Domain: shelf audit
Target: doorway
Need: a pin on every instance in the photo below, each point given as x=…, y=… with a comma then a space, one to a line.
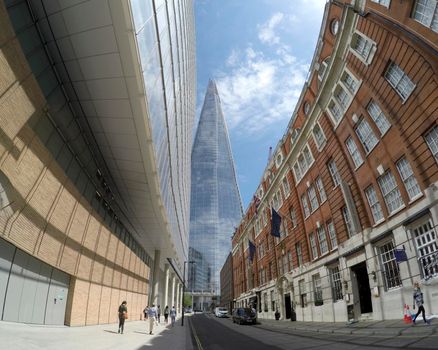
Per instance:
x=287, y=306
x=361, y=289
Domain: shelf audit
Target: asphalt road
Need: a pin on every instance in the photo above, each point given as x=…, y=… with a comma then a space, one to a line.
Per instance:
x=211, y=333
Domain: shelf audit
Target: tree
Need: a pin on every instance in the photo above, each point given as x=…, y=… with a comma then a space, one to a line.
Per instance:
x=187, y=302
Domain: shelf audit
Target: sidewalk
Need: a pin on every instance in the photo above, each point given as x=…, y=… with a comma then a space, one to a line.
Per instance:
x=381, y=328
x=19, y=336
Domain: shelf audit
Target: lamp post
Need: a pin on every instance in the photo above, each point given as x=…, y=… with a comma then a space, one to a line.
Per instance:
x=184, y=289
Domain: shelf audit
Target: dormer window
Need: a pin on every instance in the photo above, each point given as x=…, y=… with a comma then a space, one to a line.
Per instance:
x=334, y=26
x=278, y=160
x=306, y=108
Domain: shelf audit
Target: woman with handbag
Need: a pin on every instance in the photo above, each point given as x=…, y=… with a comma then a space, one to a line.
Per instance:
x=123, y=315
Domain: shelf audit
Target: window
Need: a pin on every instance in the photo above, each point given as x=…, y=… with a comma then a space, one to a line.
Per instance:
x=313, y=199
x=354, y=152
x=278, y=160
x=379, y=118
x=289, y=260
x=277, y=200
x=373, y=202
x=308, y=156
x=306, y=108
x=397, y=78
x=285, y=264
x=342, y=97
x=305, y=160
x=293, y=217
x=313, y=246
x=347, y=221
x=323, y=69
x=334, y=173
x=407, y=175
x=322, y=238
x=427, y=248
x=366, y=135
x=390, y=192
x=334, y=26
x=362, y=47
x=336, y=284
x=332, y=234
x=426, y=12
x=299, y=254
x=303, y=296
x=349, y=82
x=280, y=266
x=321, y=191
x=305, y=206
x=283, y=232
x=286, y=187
x=382, y=2
x=390, y=270
x=317, y=290
x=265, y=302
x=335, y=112
x=272, y=301
x=432, y=141
x=297, y=172
x=319, y=136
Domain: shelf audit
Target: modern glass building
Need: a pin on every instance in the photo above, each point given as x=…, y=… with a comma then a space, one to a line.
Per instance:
x=216, y=206
x=97, y=104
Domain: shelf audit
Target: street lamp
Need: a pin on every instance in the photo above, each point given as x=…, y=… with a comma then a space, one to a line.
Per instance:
x=184, y=289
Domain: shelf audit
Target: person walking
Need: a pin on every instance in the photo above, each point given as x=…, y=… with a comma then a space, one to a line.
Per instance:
x=166, y=314
x=145, y=312
x=158, y=313
x=418, y=299
x=152, y=315
x=172, y=315
x=123, y=314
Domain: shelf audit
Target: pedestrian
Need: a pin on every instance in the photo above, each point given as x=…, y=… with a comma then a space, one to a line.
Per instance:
x=418, y=299
x=145, y=311
x=152, y=314
x=166, y=314
x=172, y=315
x=158, y=313
x=123, y=314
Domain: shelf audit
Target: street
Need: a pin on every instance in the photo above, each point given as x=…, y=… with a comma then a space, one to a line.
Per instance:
x=211, y=333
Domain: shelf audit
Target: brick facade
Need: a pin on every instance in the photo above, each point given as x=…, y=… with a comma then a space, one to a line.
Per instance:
x=371, y=39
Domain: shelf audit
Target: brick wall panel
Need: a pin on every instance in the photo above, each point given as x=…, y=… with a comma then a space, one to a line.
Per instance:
x=105, y=301
x=114, y=305
x=93, y=304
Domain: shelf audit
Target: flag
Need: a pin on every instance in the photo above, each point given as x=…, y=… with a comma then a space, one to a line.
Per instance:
x=400, y=255
x=252, y=250
x=256, y=204
x=275, y=223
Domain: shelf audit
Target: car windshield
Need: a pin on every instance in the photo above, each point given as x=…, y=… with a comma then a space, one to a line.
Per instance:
x=246, y=312
x=222, y=309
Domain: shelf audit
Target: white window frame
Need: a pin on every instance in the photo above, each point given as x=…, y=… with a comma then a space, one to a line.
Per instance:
x=366, y=135
x=348, y=221
x=317, y=290
x=335, y=112
x=313, y=199
x=293, y=217
x=351, y=85
x=322, y=238
x=334, y=173
x=304, y=162
x=321, y=190
x=286, y=186
x=299, y=253
x=313, y=245
x=378, y=117
x=399, y=81
x=390, y=270
x=336, y=283
x=407, y=175
x=428, y=16
x=354, y=152
x=431, y=138
x=390, y=192
x=332, y=234
x=364, y=52
x=322, y=70
x=278, y=159
x=319, y=136
x=374, y=204
x=385, y=3
x=305, y=205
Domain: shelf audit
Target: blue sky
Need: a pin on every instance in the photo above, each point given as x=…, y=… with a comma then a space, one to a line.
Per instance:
x=258, y=52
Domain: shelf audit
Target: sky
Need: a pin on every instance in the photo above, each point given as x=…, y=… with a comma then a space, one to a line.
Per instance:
x=259, y=53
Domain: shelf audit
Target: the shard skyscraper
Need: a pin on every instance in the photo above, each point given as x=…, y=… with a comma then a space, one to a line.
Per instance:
x=216, y=206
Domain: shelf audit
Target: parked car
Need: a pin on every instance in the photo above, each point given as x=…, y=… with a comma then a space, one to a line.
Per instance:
x=243, y=315
x=221, y=312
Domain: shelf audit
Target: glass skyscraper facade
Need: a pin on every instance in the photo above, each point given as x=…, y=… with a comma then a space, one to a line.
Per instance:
x=216, y=206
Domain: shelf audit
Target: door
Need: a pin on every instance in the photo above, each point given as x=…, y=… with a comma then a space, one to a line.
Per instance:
x=57, y=298
x=362, y=292
x=287, y=305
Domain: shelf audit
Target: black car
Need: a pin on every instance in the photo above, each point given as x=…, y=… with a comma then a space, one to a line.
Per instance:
x=244, y=315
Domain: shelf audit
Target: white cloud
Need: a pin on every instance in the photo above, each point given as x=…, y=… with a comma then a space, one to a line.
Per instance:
x=267, y=30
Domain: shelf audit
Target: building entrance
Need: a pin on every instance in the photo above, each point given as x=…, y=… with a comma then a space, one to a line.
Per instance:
x=361, y=289
x=287, y=306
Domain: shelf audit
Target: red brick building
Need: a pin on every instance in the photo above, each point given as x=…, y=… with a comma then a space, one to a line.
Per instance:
x=226, y=277
x=354, y=176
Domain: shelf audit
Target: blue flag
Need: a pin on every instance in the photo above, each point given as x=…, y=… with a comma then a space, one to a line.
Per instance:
x=252, y=250
x=400, y=255
x=275, y=223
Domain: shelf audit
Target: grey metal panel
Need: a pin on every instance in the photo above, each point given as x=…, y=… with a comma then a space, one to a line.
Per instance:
x=6, y=255
x=57, y=298
x=15, y=288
